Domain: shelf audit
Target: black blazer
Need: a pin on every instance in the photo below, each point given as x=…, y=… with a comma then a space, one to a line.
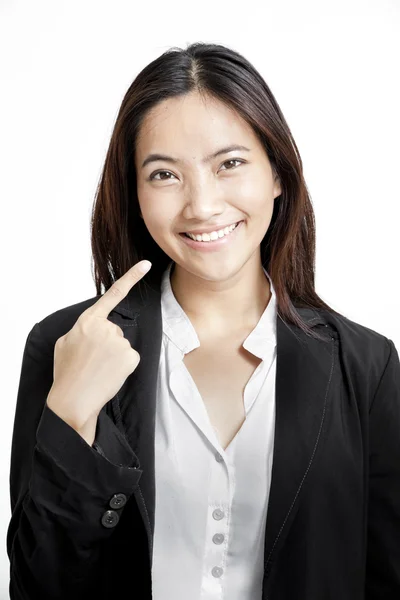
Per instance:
x=83, y=517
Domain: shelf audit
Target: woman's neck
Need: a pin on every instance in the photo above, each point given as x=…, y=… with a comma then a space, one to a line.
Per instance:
x=221, y=307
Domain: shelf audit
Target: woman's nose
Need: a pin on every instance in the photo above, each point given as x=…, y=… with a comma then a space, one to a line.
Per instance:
x=203, y=201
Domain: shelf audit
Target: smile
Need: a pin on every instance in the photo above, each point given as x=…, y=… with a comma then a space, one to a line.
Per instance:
x=213, y=235
x=212, y=241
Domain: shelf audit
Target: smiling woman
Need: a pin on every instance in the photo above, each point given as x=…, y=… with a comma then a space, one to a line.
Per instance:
x=224, y=154
x=211, y=428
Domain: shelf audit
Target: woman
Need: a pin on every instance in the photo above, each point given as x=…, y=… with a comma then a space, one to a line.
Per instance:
x=212, y=428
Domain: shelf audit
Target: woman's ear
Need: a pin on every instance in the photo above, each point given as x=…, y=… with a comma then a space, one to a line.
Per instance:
x=277, y=186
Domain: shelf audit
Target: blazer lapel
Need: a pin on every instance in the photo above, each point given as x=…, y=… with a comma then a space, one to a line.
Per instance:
x=304, y=374
x=135, y=403
x=303, y=377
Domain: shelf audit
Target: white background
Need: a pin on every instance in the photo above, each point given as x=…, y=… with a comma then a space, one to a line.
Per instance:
x=65, y=67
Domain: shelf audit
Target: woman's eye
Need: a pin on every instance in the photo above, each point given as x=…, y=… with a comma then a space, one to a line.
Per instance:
x=158, y=173
x=232, y=160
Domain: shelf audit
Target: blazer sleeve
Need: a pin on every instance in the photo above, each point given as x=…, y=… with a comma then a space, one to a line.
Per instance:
x=383, y=549
x=60, y=489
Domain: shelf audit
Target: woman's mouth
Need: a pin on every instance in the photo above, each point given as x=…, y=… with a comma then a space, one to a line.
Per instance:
x=208, y=244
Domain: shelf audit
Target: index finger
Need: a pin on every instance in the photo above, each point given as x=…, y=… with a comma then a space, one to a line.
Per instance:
x=119, y=289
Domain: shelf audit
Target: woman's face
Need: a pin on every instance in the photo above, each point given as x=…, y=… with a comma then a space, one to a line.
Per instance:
x=194, y=193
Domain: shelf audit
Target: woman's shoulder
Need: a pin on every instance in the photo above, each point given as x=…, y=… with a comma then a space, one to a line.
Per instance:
x=362, y=349
x=351, y=330
x=59, y=322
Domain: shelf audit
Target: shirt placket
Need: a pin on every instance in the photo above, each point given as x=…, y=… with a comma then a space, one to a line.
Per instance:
x=221, y=490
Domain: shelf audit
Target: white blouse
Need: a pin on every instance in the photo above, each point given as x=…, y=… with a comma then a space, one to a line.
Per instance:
x=211, y=504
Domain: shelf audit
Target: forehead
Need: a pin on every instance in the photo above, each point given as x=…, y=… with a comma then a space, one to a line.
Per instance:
x=192, y=121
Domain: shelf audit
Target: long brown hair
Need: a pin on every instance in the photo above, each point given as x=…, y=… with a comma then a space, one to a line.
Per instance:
x=119, y=236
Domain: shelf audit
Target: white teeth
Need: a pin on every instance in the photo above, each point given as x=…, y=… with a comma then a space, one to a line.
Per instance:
x=214, y=235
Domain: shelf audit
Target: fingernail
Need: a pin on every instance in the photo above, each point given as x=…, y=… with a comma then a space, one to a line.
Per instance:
x=144, y=266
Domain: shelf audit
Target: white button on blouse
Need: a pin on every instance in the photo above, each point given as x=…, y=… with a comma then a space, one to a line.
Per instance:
x=211, y=503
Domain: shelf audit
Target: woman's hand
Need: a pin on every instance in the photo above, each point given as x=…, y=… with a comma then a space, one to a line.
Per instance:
x=93, y=360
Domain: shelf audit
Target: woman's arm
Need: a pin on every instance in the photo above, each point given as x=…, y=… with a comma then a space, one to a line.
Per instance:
x=60, y=488
x=383, y=552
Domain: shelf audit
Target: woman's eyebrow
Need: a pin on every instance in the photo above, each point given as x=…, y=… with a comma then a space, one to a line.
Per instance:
x=165, y=158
